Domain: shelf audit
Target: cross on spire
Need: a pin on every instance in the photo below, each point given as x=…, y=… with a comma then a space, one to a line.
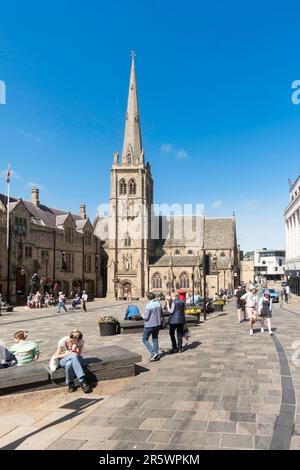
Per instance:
x=133, y=54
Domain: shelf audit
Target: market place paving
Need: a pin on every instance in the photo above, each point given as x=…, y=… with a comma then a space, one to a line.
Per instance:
x=228, y=390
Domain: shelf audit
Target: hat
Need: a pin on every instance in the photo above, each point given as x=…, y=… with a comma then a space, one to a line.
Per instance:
x=252, y=287
x=266, y=292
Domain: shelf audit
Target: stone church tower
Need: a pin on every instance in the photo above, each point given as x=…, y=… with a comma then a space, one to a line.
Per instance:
x=131, y=199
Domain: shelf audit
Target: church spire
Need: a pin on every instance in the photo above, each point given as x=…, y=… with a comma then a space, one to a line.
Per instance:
x=132, y=148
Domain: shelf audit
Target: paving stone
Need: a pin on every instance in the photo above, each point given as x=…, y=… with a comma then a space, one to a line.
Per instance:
x=221, y=426
x=242, y=417
x=149, y=413
x=98, y=445
x=160, y=437
x=295, y=443
x=131, y=435
x=237, y=441
x=184, y=425
x=247, y=428
x=185, y=438
x=134, y=446
x=262, y=442
x=69, y=444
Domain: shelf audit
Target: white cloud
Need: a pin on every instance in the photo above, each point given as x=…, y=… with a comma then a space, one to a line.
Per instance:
x=252, y=204
x=30, y=137
x=166, y=148
x=13, y=174
x=182, y=154
x=31, y=185
x=216, y=204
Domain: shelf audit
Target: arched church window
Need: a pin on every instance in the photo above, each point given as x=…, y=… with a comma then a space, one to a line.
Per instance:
x=177, y=252
x=127, y=239
x=132, y=187
x=223, y=254
x=156, y=281
x=123, y=187
x=129, y=158
x=184, y=281
x=190, y=252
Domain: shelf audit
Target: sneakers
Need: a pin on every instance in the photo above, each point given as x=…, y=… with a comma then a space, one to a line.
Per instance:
x=271, y=332
x=251, y=332
x=154, y=358
x=72, y=387
x=174, y=351
x=86, y=387
x=180, y=350
x=262, y=330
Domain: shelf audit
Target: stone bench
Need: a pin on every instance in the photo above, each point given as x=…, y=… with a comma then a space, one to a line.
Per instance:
x=137, y=326
x=103, y=363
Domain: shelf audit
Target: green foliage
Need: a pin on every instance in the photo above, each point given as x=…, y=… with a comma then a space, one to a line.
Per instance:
x=107, y=319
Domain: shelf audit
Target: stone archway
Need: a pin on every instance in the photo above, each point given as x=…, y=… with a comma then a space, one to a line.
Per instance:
x=126, y=290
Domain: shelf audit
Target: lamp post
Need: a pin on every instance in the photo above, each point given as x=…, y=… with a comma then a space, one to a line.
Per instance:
x=204, y=284
x=193, y=279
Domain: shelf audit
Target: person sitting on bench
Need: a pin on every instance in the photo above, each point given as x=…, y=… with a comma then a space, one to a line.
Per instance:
x=132, y=313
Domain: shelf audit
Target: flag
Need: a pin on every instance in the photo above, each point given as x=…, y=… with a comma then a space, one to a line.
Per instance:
x=8, y=174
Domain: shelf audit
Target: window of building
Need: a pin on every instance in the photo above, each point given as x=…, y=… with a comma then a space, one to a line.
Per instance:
x=132, y=187
x=70, y=235
x=87, y=263
x=28, y=251
x=70, y=262
x=184, y=281
x=190, y=252
x=21, y=226
x=45, y=256
x=127, y=239
x=223, y=254
x=156, y=281
x=88, y=238
x=177, y=252
x=280, y=262
x=123, y=187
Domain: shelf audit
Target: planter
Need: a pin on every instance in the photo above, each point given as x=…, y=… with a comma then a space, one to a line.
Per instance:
x=108, y=329
x=218, y=308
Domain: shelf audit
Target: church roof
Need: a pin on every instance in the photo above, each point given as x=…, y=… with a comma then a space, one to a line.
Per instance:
x=177, y=261
x=220, y=233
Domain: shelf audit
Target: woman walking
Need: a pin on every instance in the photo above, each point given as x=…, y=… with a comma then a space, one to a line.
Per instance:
x=265, y=311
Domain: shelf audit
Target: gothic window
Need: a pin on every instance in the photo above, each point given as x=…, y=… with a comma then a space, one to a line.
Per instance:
x=129, y=158
x=28, y=252
x=222, y=254
x=132, y=187
x=127, y=239
x=177, y=252
x=156, y=281
x=190, y=252
x=123, y=187
x=184, y=281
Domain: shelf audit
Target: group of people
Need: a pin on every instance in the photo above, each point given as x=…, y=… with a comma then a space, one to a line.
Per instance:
x=68, y=355
x=76, y=301
x=252, y=307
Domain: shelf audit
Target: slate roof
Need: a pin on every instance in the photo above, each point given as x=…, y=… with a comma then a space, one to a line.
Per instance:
x=220, y=233
x=177, y=261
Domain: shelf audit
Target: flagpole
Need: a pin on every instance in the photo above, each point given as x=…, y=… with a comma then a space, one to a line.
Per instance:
x=7, y=221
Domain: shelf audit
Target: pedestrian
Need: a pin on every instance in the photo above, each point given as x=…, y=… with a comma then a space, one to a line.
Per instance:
x=24, y=350
x=265, y=311
x=84, y=298
x=68, y=353
x=240, y=304
x=176, y=322
x=61, y=302
x=132, y=313
x=251, y=301
x=153, y=320
x=287, y=291
x=75, y=302
x=282, y=294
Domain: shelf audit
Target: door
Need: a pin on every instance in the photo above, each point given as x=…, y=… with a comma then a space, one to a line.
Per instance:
x=127, y=291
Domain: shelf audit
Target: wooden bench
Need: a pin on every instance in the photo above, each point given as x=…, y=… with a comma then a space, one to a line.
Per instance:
x=137, y=326
x=103, y=363
x=7, y=308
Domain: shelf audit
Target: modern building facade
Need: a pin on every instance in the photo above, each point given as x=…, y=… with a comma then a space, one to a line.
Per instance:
x=58, y=246
x=292, y=237
x=148, y=251
x=269, y=264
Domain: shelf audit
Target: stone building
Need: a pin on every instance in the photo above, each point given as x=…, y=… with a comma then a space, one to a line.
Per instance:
x=161, y=253
x=292, y=237
x=58, y=246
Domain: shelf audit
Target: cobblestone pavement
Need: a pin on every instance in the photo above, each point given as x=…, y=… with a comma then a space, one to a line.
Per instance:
x=228, y=390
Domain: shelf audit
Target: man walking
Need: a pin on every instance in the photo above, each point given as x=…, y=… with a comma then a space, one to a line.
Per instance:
x=176, y=322
x=153, y=318
x=287, y=291
x=84, y=300
x=61, y=302
x=240, y=304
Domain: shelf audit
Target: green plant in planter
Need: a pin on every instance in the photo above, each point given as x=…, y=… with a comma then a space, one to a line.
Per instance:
x=219, y=302
x=107, y=319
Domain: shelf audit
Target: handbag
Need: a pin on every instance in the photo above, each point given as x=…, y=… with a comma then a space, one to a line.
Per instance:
x=54, y=363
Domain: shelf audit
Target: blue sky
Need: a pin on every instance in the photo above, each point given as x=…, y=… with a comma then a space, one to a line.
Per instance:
x=214, y=82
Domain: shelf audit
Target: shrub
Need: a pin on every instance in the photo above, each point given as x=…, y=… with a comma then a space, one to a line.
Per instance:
x=107, y=319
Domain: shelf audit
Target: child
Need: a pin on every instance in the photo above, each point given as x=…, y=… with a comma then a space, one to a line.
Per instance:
x=186, y=334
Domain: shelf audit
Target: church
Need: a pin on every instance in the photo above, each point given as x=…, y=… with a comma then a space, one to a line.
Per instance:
x=159, y=252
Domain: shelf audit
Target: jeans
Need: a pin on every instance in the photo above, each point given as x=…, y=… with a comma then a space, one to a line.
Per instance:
x=72, y=363
x=154, y=331
x=179, y=328
x=61, y=305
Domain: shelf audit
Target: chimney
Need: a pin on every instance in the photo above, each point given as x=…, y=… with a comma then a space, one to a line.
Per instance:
x=82, y=211
x=35, y=192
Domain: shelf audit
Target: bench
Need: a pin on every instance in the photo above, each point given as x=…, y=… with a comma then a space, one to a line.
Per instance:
x=137, y=326
x=103, y=363
x=7, y=308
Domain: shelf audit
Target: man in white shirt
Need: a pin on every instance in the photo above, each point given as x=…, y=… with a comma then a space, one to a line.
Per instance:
x=84, y=300
x=287, y=291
